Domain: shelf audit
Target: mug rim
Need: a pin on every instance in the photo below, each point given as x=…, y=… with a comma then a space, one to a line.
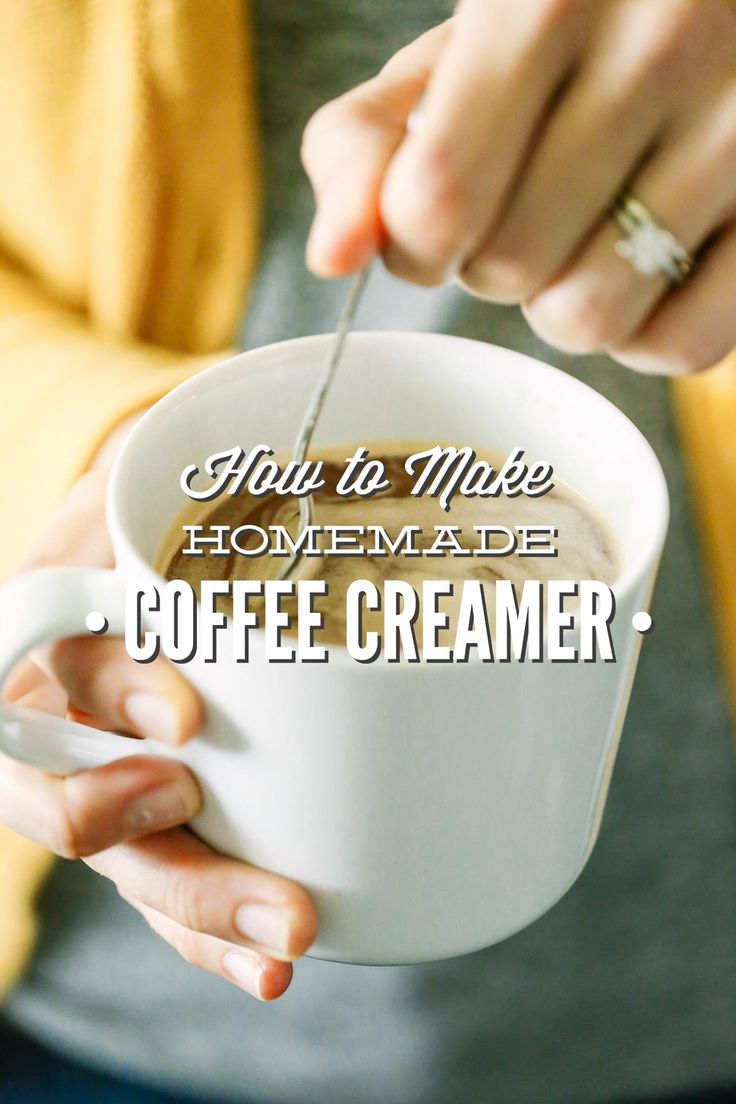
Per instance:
x=632, y=572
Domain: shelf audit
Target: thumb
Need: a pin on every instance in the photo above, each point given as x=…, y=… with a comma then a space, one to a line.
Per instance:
x=347, y=147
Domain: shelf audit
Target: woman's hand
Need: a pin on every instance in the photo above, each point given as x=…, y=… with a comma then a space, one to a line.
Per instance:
x=230, y=918
x=534, y=117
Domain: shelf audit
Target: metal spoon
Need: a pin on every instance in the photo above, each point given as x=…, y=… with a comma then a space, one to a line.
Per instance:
x=317, y=402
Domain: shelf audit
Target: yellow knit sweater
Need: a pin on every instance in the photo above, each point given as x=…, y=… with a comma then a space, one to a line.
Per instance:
x=128, y=229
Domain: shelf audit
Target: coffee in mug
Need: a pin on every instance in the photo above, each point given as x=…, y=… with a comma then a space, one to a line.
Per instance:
x=391, y=535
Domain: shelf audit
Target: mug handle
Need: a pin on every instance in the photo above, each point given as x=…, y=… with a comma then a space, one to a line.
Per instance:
x=50, y=604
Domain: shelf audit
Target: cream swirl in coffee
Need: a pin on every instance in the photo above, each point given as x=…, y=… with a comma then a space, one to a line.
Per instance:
x=557, y=536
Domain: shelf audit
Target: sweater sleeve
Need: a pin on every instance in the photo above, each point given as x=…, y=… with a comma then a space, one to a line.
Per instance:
x=63, y=387
x=706, y=411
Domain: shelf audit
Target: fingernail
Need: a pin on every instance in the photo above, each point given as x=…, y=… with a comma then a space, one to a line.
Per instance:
x=159, y=808
x=265, y=925
x=151, y=715
x=245, y=971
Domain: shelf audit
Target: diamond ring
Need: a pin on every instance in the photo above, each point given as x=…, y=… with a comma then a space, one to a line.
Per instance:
x=650, y=248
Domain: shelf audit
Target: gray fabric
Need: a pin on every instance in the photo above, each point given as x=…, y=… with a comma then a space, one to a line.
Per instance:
x=628, y=986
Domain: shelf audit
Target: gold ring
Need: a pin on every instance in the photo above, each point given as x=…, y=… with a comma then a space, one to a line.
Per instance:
x=650, y=248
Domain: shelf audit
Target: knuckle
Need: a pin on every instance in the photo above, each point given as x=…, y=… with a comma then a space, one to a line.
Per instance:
x=669, y=36
x=406, y=265
x=183, y=898
x=63, y=833
x=318, y=146
x=504, y=278
x=126, y=895
x=689, y=358
x=679, y=16
x=321, y=122
x=581, y=321
x=662, y=358
x=724, y=132
x=687, y=36
x=611, y=105
x=440, y=184
x=553, y=13
x=184, y=942
x=425, y=207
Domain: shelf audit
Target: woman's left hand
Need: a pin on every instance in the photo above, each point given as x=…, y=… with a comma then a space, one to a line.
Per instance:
x=534, y=118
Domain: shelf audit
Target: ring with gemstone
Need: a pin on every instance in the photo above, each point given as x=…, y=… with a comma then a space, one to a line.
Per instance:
x=650, y=248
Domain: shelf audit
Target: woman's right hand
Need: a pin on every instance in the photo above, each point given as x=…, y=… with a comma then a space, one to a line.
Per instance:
x=123, y=819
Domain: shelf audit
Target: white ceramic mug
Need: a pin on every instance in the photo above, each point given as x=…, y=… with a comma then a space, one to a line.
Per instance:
x=430, y=810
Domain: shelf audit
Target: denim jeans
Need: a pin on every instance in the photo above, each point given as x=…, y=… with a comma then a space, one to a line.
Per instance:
x=30, y=1074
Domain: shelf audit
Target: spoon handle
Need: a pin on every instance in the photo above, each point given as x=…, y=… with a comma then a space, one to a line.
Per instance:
x=319, y=396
